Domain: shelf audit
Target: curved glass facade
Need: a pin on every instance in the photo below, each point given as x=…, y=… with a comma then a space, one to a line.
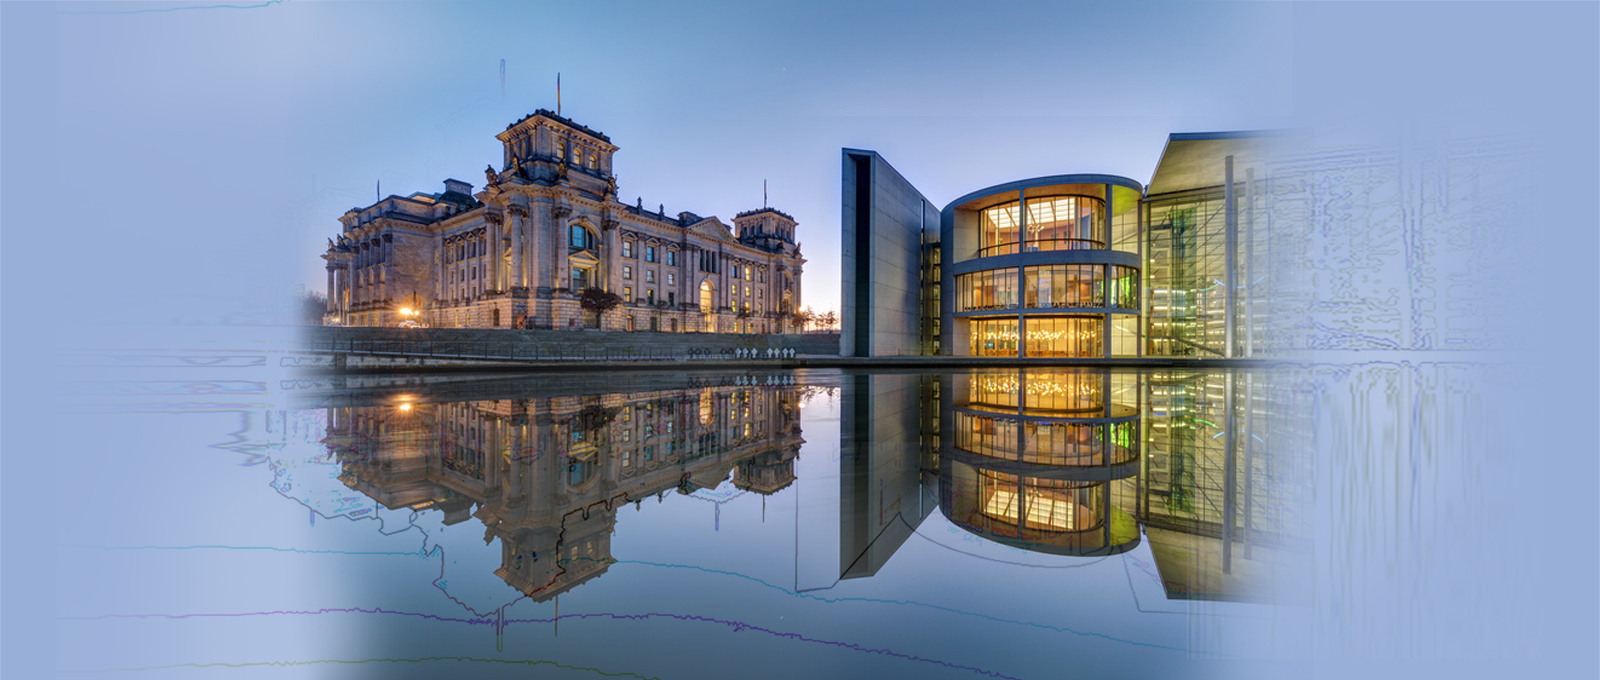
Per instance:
x=1051, y=223
x=1037, y=299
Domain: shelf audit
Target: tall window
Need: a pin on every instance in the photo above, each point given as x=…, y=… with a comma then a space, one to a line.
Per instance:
x=627, y=272
x=649, y=253
x=580, y=238
x=672, y=258
x=627, y=248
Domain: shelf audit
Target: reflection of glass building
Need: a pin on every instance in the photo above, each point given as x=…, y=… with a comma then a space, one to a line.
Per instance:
x=1192, y=466
x=546, y=474
x=1033, y=456
x=1066, y=266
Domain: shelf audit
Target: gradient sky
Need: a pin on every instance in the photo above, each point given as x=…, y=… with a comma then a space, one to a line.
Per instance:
x=267, y=124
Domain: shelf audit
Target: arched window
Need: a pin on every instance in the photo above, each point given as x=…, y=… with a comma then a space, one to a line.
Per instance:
x=594, y=161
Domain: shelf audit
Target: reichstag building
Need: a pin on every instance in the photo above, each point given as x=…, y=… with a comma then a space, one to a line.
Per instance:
x=546, y=228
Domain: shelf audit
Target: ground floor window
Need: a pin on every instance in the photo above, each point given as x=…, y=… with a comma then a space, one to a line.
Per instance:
x=994, y=337
x=1065, y=336
x=1041, y=336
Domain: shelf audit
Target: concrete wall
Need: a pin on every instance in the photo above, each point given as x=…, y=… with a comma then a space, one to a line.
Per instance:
x=883, y=222
x=555, y=344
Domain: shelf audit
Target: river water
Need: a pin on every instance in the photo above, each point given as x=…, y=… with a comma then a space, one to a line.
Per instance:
x=666, y=524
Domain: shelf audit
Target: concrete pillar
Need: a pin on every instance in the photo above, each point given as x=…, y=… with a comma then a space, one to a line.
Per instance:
x=1230, y=258
x=1249, y=261
x=1105, y=324
x=1230, y=443
x=1144, y=283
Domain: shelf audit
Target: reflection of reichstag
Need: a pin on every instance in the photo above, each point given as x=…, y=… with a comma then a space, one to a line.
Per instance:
x=547, y=473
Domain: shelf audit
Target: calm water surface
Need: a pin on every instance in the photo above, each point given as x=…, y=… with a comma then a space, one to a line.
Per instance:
x=1010, y=523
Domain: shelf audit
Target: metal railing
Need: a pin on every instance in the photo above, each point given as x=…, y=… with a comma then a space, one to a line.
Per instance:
x=502, y=351
x=1042, y=245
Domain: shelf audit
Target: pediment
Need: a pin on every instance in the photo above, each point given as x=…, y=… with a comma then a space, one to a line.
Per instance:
x=711, y=227
x=583, y=258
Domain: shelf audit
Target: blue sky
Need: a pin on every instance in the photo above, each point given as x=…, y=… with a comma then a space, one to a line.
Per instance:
x=271, y=122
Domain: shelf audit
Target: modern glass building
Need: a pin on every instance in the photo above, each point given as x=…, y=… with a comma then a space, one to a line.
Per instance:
x=1046, y=267
x=1086, y=266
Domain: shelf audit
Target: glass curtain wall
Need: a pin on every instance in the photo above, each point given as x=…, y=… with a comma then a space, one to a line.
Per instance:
x=1065, y=285
x=1054, y=223
x=1187, y=273
x=993, y=289
x=1188, y=299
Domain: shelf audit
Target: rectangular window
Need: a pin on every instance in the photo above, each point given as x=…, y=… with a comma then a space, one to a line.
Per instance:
x=672, y=258
x=735, y=271
x=627, y=293
x=649, y=276
x=672, y=279
x=1065, y=285
x=627, y=248
x=650, y=295
x=1064, y=336
x=627, y=272
x=649, y=253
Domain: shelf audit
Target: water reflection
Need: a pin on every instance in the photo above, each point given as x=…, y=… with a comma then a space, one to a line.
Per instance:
x=546, y=474
x=1070, y=462
x=1081, y=462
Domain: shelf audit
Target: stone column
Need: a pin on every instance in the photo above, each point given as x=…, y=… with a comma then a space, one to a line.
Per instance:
x=609, y=259
x=532, y=264
x=350, y=281
x=388, y=253
x=558, y=232
x=495, y=252
x=332, y=294
x=517, y=278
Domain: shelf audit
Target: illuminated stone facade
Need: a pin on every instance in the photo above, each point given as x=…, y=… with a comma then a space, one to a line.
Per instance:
x=549, y=225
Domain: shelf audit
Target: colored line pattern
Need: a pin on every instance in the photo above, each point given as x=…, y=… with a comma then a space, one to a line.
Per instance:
x=425, y=659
